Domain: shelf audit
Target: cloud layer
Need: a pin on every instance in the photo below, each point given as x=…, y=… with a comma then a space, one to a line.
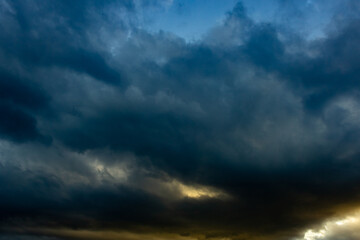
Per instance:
x=110, y=131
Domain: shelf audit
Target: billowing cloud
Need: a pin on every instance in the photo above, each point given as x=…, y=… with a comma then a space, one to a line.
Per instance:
x=111, y=131
x=345, y=227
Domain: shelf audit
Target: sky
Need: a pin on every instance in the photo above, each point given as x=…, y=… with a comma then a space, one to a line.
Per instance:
x=179, y=119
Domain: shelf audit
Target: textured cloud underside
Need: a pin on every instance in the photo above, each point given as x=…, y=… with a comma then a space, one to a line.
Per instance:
x=109, y=130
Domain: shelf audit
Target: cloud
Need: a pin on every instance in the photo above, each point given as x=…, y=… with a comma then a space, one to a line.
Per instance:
x=18, y=101
x=346, y=228
x=107, y=129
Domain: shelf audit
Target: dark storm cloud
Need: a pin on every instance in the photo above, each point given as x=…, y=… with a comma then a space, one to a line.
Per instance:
x=54, y=34
x=20, y=92
x=253, y=109
x=18, y=100
x=333, y=72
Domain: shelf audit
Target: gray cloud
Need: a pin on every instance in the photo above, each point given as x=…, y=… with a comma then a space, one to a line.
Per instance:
x=250, y=132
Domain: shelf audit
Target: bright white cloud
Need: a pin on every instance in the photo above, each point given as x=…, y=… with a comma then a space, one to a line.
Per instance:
x=347, y=228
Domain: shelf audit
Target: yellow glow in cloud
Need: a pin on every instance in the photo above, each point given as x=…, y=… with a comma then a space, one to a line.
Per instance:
x=198, y=191
x=347, y=226
x=174, y=190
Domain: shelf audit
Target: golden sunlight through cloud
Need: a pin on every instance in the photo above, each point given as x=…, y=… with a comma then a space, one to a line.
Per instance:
x=198, y=191
x=347, y=227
